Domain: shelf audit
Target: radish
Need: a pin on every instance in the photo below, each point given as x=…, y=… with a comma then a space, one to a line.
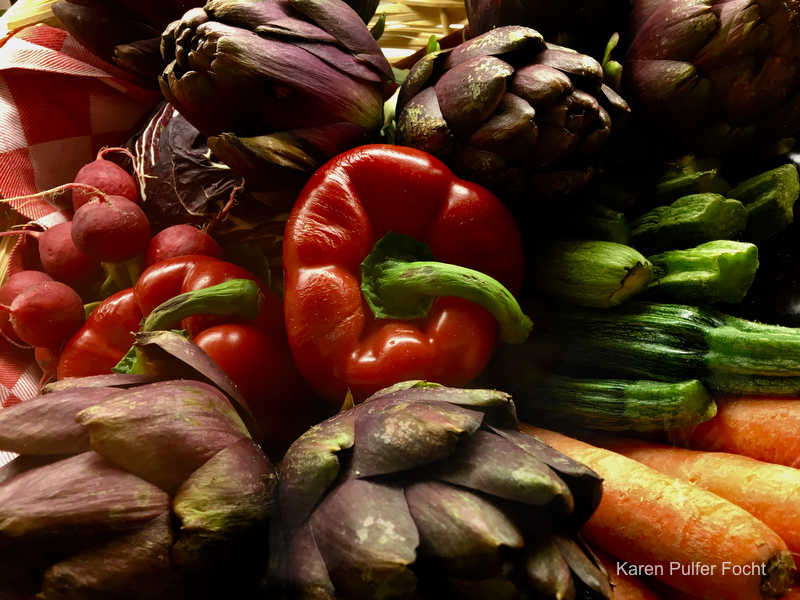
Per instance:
x=107, y=177
x=46, y=314
x=13, y=287
x=113, y=229
x=180, y=240
x=59, y=256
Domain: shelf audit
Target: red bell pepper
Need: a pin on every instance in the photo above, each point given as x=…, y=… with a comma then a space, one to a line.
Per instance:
x=435, y=320
x=253, y=352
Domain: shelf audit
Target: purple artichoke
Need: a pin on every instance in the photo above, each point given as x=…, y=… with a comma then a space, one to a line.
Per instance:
x=156, y=491
x=125, y=32
x=585, y=25
x=511, y=112
x=716, y=77
x=278, y=85
x=424, y=491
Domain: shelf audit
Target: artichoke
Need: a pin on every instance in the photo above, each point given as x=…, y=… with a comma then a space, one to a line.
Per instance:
x=718, y=78
x=511, y=112
x=425, y=491
x=124, y=32
x=278, y=87
x=153, y=491
x=585, y=25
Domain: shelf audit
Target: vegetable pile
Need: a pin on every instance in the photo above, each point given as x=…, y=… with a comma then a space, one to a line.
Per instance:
x=512, y=318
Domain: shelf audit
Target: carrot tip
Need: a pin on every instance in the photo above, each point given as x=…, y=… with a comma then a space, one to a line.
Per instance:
x=779, y=576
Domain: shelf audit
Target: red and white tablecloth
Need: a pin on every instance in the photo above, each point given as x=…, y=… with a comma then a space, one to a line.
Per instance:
x=59, y=105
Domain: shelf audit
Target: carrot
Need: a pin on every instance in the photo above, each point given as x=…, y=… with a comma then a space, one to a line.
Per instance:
x=686, y=536
x=626, y=586
x=667, y=592
x=769, y=492
x=764, y=428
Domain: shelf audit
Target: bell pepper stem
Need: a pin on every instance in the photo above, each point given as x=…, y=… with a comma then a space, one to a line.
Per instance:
x=401, y=277
x=238, y=298
x=407, y=282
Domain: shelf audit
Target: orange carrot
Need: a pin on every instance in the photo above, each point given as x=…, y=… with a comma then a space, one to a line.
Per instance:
x=769, y=492
x=686, y=536
x=764, y=428
x=626, y=587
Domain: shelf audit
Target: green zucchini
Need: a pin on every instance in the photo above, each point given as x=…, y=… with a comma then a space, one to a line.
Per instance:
x=611, y=404
x=719, y=270
x=687, y=222
x=587, y=272
x=686, y=175
x=769, y=198
x=671, y=342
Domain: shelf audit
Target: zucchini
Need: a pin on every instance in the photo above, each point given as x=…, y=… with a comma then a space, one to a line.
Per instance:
x=671, y=342
x=687, y=175
x=587, y=272
x=722, y=270
x=687, y=222
x=769, y=198
x=611, y=404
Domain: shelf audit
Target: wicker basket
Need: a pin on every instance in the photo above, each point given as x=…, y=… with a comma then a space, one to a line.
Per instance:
x=411, y=23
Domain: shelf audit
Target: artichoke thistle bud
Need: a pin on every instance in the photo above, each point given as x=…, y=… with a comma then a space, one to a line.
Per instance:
x=172, y=501
x=511, y=112
x=424, y=491
x=585, y=25
x=716, y=78
x=297, y=81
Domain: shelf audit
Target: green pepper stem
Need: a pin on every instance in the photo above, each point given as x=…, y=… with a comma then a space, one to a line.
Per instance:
x=236, y=298
x=406, y=282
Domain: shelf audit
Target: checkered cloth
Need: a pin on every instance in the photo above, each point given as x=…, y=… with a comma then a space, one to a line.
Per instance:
x=59, y=105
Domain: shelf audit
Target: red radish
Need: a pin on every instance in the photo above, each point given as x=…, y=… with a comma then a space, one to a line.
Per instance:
x=180, y=240
x=106, y=176
x=111, y=230
x=46, y=314
x=13, y=287
x=59, y=256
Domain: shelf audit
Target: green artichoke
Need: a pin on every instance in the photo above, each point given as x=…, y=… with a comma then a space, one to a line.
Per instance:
x=279, y=86
x=425, y=491
x=716, y=77
x=519, y=116
x=157, y=491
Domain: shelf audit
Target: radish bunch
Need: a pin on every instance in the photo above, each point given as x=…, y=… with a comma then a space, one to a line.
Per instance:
x=108, y=227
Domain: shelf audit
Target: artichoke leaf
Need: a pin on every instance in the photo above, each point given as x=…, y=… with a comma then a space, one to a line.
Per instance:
x=367, y=538
x=342, y=21
x=82, y=491
x=46, y=424
x=393, y=435
x=510, y=132
x=134, y=565
x=542, y=86
x=309, y=468
x=228, y=498
x=585, y=568
x=461, y=528
x=163, y=431
x=491, y=464
x=470, y=92
x=423, y=126
x=546, y=570
x=497, y=41
x=302, y=568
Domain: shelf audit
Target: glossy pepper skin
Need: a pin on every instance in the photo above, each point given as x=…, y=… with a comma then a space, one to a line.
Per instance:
x=347, y=206
x=254, y=353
